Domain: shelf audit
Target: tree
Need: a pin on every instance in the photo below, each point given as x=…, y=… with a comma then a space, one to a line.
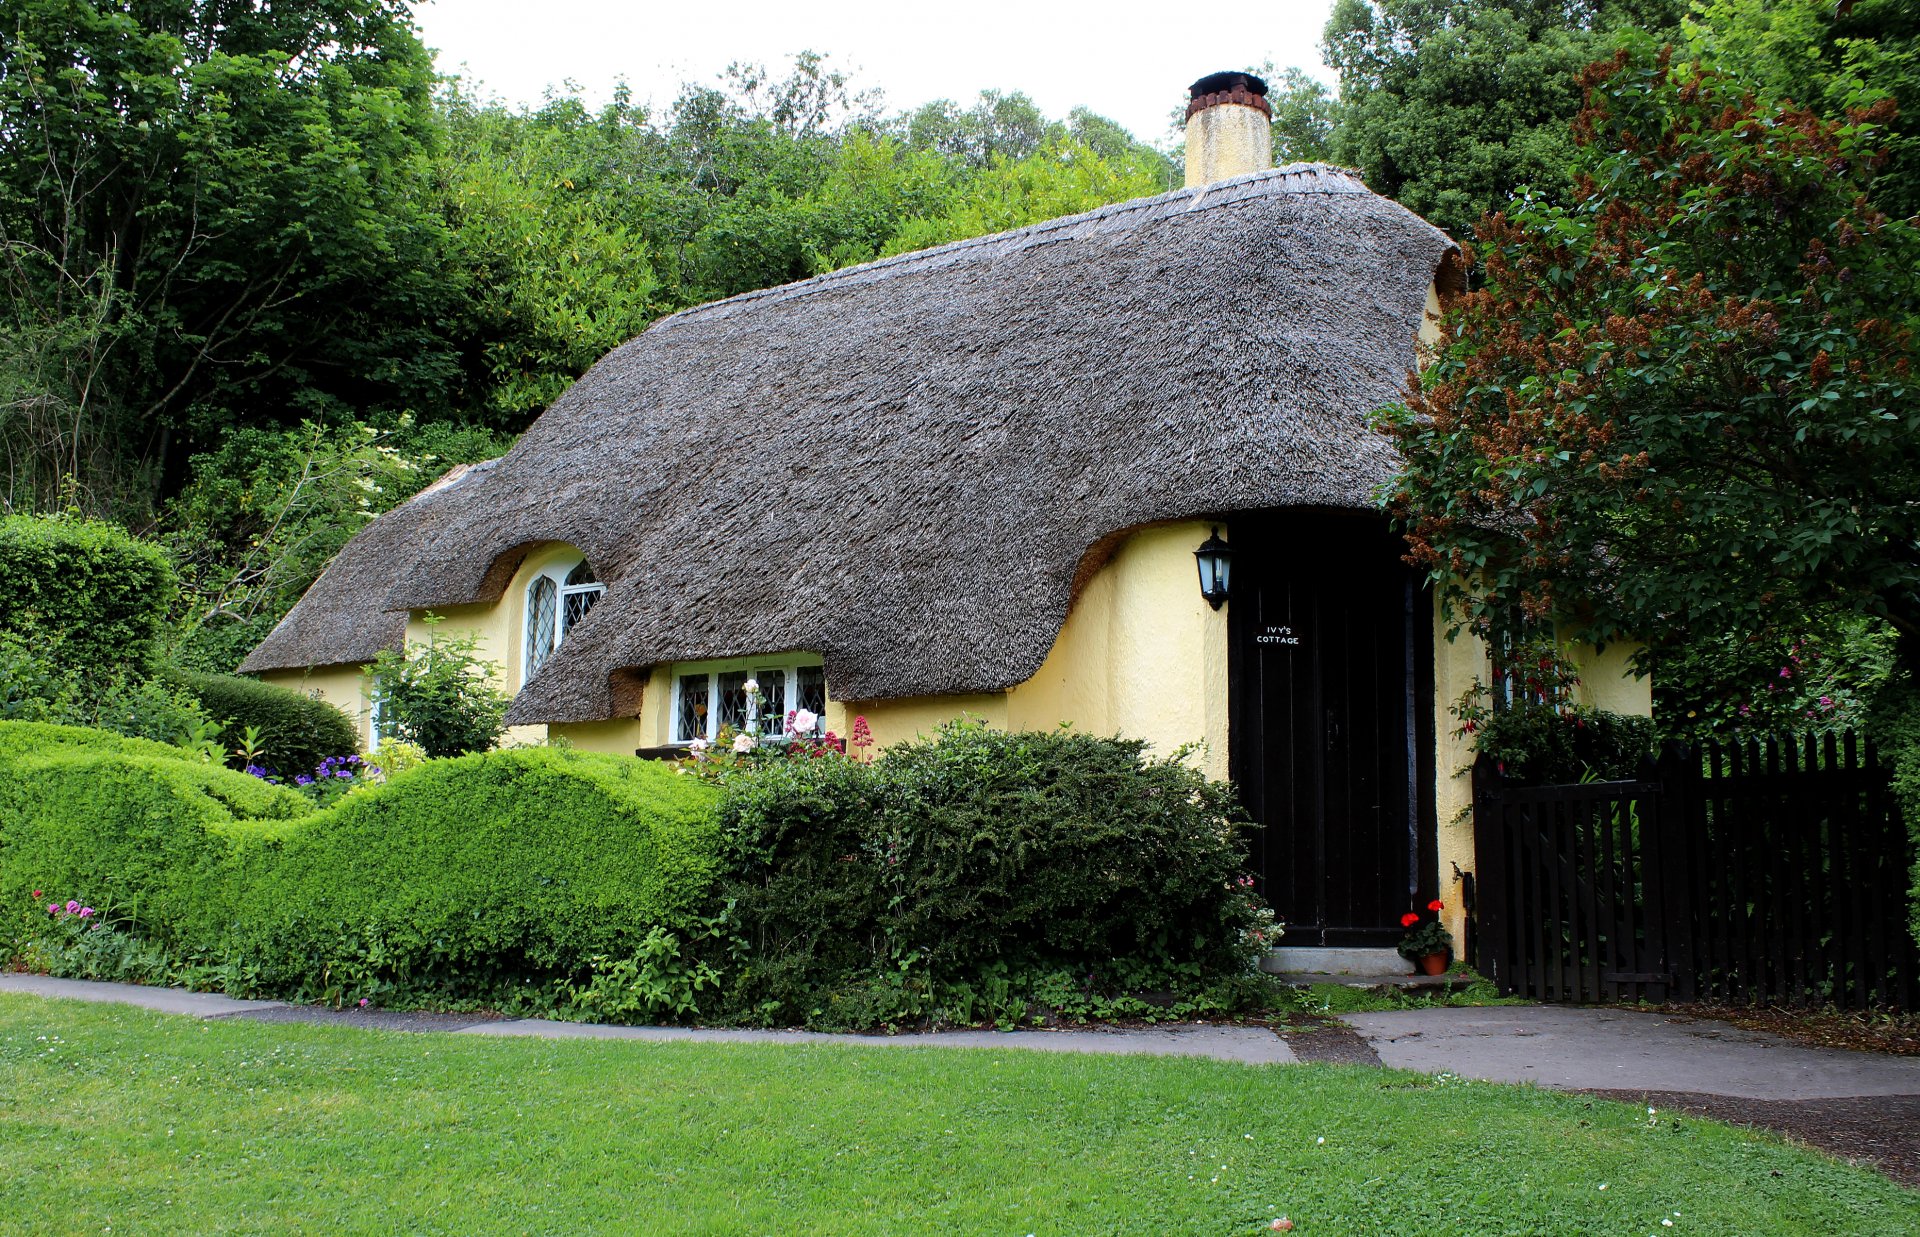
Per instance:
x=1682, y=407
x=1449, y=106
x=209, y=211
x=1831, y=57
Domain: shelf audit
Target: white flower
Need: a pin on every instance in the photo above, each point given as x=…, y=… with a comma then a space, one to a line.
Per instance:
x=699, y=747
x=743, y=743
x=804, y=720
x=752, y=688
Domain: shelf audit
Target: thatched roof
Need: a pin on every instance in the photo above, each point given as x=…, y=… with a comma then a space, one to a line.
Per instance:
x=901, y=465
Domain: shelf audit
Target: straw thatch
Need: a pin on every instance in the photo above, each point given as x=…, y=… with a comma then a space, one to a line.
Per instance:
x=901, y=465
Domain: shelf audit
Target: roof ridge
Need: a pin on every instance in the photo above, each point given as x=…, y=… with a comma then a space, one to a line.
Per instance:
x=1312, y=177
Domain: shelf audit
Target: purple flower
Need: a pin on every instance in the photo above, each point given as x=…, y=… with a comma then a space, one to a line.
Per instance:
x=72, y=907
x=363, y=1002
x=303, y=780
x=53, y=908
x=85, y=911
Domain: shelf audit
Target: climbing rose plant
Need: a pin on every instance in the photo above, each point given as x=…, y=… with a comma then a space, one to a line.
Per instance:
x=1685, y=402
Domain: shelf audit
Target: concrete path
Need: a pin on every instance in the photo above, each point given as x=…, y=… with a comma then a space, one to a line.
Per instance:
x=1249, y=1045
x=166, y=1000
x=1573, y=1049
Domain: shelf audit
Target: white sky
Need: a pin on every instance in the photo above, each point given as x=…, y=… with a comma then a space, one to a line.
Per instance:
x=1125, y=60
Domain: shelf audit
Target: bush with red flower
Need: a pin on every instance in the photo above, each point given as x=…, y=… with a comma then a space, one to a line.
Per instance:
x=1425, y=935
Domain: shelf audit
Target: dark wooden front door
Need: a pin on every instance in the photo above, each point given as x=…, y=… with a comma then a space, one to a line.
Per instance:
x=1332, y=721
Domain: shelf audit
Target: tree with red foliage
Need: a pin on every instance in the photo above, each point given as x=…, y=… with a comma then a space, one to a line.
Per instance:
x=1685, y=404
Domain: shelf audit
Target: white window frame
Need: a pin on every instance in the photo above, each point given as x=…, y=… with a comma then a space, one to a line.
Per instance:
x=788, y=664
x=557, y=572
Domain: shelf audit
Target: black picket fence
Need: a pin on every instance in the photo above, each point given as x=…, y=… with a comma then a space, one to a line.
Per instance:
x=1773, y=872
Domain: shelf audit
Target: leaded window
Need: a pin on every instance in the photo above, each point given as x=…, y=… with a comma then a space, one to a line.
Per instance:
x=557, y=599
x=705, y=701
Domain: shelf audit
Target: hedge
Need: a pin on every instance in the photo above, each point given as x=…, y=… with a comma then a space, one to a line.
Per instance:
x=455, y=878
x=296, y=732
x=91, y=595
x=462, y=875
x=135, y=827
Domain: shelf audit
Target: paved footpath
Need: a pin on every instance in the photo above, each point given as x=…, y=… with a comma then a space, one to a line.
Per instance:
x=1862, y=1106
x=1249, y=1045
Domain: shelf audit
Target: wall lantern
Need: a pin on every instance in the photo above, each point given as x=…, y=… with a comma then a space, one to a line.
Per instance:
x=1216, y=569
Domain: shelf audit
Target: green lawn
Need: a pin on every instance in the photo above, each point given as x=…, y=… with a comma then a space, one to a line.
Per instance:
x=113, y=1118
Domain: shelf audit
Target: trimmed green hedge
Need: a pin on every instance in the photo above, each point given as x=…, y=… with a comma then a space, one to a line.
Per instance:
x=91, y=595
x=456, y=878
x=132, y=826
x=296, y=731
x=461, y=875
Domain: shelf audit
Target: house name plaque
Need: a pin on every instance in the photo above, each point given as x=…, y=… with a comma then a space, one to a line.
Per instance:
x=1277, y=635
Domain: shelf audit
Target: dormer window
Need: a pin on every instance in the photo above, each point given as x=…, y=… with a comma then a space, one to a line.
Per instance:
x=557, y=599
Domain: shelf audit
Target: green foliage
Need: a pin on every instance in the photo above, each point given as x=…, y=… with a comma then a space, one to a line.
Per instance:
x=1819, y=680
x=292, y=733
x=460, y=879
x=34, y=689
x=469, y=876
x=439, y=694
x=1896, y=730
x=127, y=822
x=1703, y=368
x=656, y=981
x=212, y=215
x=867, y=892
x=88, y=595
x=1830, y=57
x=268, y=509
x=1449, y=106
x=1305, y=116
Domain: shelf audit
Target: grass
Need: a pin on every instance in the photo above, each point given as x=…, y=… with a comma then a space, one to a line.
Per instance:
x=113, y=1119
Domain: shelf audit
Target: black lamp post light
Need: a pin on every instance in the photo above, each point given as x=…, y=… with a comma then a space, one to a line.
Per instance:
x=1215, y=558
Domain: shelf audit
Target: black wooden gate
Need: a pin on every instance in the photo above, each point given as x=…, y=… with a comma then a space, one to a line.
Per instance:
x=1763, y=872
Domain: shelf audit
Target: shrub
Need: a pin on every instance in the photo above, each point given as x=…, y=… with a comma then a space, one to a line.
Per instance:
x=979, y=854
x=463, y=876
x=458, y=879
x=296, y=732
x=90, y=595
x=440, y=695
x=130, y=822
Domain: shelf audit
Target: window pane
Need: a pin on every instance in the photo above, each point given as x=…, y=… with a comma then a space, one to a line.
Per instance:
x=576, y=603
x=540, y=604
x=773, y=701
x=813, y=690
x=733, y=699
x=582, y=574
x=691, y=721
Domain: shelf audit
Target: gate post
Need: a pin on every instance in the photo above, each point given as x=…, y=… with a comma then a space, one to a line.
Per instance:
x=1493, y=894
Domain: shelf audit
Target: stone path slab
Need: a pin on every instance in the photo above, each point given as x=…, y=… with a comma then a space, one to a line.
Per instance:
x=165, y=1000
x=1575, y=1049
x=1249, y=1045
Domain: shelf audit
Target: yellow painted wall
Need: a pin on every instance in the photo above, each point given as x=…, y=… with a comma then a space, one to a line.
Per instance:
x=1141, y=655
x=1457, y=664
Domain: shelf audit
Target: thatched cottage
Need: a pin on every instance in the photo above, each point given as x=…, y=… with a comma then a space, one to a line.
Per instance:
x=973, y=480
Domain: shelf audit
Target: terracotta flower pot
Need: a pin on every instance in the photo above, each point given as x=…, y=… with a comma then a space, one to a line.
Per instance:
x=1433, y=964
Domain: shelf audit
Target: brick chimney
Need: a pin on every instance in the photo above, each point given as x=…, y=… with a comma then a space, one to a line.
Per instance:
x=1228, y=128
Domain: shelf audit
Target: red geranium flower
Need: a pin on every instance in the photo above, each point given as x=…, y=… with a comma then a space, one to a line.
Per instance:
x=1436, y=905
x=1409, y=919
